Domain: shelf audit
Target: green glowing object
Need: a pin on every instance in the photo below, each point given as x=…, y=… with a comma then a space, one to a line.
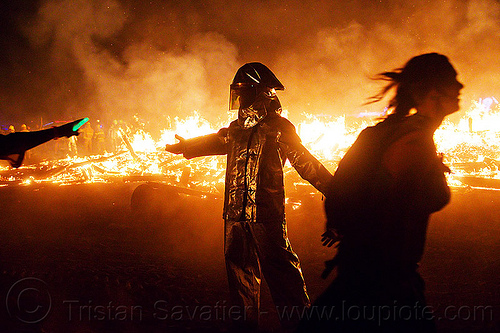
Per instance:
x=80, y=124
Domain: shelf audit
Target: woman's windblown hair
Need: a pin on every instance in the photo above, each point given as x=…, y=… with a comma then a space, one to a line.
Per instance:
x=413, y=82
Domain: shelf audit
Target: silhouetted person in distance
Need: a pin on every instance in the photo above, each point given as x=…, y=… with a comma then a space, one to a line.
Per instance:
x=27, y=154
x=14, y=145
x=99, y=140
x=113, y=136
x=257, y=146
x=87, y=136
x=385, y=189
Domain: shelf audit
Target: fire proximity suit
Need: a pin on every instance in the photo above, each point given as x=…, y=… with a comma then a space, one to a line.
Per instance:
x=257, y=146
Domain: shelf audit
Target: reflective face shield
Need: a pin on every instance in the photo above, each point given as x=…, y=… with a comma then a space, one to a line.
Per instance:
x=241, y=95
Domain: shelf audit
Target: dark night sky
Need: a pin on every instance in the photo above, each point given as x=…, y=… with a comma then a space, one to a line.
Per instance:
x=62, y=59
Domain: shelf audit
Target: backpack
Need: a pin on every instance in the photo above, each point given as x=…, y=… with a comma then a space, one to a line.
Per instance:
x=353, y=192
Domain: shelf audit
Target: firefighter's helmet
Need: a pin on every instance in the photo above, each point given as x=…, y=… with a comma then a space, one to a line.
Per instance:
x=250, y=80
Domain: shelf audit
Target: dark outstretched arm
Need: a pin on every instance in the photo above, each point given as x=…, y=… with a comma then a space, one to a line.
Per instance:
x=18, y=143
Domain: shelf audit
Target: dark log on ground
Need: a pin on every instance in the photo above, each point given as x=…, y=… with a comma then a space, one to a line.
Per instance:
x=480, y=182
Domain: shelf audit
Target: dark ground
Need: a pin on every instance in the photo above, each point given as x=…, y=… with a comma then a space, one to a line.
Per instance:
x=79, y=259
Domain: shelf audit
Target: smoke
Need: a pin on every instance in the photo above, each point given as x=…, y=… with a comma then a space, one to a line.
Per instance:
x=139, y=78
x=336, y=68
x=116, y=59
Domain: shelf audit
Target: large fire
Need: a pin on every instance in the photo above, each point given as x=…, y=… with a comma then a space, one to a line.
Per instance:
x=470, y=147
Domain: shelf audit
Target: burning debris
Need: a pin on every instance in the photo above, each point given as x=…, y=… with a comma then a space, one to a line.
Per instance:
x=470, y=147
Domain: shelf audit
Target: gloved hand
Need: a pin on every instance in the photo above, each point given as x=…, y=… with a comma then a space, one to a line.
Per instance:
x=68, y=129
x=330, y=237
x=177, y=148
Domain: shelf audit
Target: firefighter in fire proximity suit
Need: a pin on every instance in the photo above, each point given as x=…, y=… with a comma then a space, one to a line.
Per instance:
x=257, y=145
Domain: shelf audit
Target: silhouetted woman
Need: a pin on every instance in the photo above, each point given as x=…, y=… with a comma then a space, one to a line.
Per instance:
x=383, y=193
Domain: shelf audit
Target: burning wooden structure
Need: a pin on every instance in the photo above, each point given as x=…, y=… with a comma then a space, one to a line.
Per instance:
x=470, y=147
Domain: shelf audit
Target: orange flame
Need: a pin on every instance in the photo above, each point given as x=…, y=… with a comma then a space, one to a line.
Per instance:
x=471, y=148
